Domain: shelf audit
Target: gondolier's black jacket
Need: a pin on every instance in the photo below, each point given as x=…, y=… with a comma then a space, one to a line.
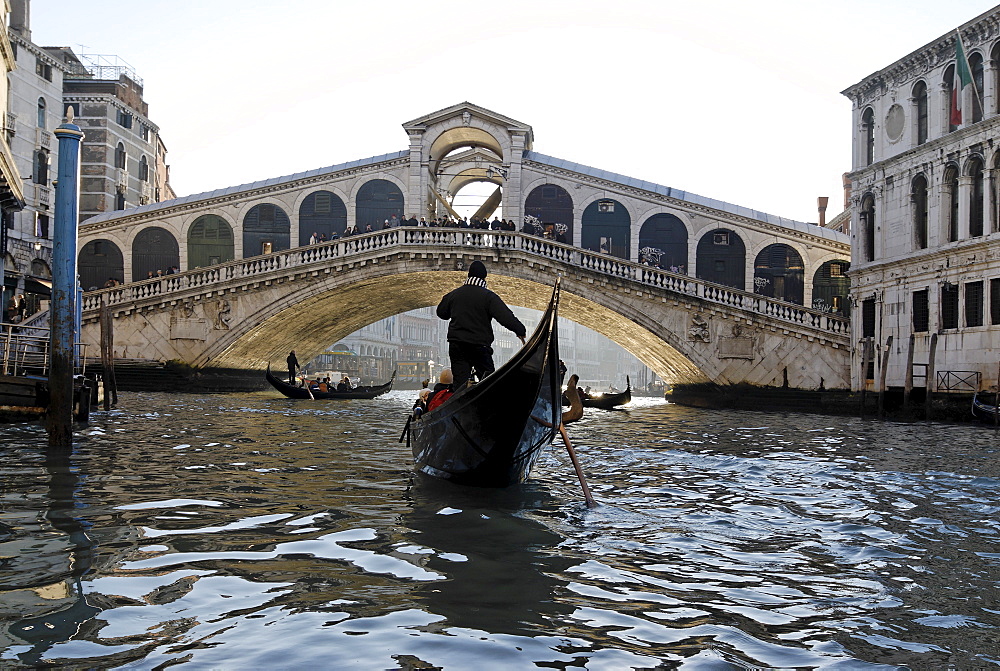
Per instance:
x=472, y=309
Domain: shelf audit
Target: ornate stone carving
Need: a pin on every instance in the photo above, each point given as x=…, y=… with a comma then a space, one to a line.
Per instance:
x=698, y=331
x=223, y=315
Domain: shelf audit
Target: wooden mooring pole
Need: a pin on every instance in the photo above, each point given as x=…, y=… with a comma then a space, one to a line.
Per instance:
x=63, y=304
x=929, y=381
x=881, y=378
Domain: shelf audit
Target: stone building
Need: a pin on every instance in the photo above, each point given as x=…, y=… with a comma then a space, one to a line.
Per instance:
x=925, y=211
x=11, y=191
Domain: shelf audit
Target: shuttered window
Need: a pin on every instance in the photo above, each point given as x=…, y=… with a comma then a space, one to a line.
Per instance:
x=921, y=311
x=974, y=304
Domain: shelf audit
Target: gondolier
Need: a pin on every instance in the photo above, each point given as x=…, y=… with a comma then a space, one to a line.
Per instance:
x=293, y=364
x=471, y=309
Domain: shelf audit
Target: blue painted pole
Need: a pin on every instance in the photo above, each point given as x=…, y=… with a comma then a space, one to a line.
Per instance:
x=63, y=310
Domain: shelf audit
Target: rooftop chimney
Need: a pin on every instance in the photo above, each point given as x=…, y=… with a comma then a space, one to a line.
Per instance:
x=822, y=201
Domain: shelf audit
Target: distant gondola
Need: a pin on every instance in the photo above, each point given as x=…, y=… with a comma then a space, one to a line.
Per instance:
x=491, y=434
x=984, y=412
x=291, y=391
x=606, y=401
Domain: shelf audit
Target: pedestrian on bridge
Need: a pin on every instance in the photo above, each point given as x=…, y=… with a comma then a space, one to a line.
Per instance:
x=471, y=309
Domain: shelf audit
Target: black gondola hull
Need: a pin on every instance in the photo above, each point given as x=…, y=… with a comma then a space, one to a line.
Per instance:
x=491, y=435
x=291, y=391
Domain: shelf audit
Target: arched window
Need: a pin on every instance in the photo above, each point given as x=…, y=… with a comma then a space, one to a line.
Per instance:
x=950, y=204
x=210, y=241
x=918, y=197
x=995, y=60
x=868, y=135
x=868, y=227
x=949, y=85
x=664, y=237
x=41, y=113
x=154, y=249
x=40, y=171
x=976, y=198
x=551, y=204
x=976, y=67
x=721, y=258
x=920, y=103
x=322, y=213
x=378, y=200
x=831, y=287
x=120, y=199
x=121, y=158
x=98, y=262
x=778, y=273
x=143, y=169
x=266, y=229
x=605, y=227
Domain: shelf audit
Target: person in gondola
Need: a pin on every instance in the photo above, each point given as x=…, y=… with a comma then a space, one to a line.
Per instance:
x=293, y=365
x=420, y=405
x=442, y=390
x=471, y=309
x=344, y=384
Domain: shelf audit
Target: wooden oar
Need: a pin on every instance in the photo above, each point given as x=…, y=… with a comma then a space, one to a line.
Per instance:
x=574, y=413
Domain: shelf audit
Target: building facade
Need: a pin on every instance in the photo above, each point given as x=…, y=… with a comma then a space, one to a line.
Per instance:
x=925, y=216
x=11, y=189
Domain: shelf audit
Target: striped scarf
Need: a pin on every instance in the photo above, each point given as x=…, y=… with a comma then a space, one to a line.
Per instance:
x=476, y=281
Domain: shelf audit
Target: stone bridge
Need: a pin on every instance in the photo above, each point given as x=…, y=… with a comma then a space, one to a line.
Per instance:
x=246, y=313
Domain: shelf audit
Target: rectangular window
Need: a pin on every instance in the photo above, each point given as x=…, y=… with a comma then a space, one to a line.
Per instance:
x=42, y=226
x=868, y=318
x=949, y=306
x=124, y=119
x=921, y=311
x=836, y=270
x=605, y=206
x=720, y=239
x=995, y=301
x=322, y=203
x=974, y=303
x=144, y=132
x=43, y=69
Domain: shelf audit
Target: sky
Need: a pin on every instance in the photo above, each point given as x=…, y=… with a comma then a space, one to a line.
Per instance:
x=733, y=100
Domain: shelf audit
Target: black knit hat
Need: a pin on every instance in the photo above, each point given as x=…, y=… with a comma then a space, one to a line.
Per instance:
x=477, y=269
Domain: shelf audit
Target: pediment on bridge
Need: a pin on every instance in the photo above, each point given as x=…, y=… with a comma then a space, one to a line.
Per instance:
x=465, y=113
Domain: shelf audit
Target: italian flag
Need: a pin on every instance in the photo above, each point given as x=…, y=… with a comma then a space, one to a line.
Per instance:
x=963, y=78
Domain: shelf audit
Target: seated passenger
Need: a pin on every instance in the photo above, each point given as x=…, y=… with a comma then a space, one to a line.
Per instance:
x=344, y=384
x=442, y=390
x=420, y=405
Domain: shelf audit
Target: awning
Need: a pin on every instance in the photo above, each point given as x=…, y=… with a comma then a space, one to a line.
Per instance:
x=38, y=285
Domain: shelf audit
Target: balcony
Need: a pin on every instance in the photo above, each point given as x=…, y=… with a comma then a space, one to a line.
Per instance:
x=43, y=138
x=122, y=177
x=43, y=195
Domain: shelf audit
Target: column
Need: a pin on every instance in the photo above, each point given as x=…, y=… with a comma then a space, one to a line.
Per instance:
x=964, y=200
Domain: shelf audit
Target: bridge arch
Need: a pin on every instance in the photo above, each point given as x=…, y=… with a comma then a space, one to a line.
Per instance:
x=831, y=287
x=322, y=211
x=98, y=261
x=376, y=200
x=210, y=241
x=779, y=273
x=667, y=233
x=721, y=258
x=154, y=248
x=266, y=229
x=551, y=203
x=452, y=134
x=606, y=227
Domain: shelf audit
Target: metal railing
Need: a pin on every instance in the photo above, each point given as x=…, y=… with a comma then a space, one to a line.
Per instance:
x=398, y=239
x=959, y=380
x=24, y=350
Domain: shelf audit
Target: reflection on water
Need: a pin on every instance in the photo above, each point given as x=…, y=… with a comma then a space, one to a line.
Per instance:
x=256, y=532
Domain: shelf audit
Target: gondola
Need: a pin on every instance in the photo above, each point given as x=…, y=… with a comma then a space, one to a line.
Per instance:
x=291, y=391
x=605, y=401
x=490, y=434
x=984, y=412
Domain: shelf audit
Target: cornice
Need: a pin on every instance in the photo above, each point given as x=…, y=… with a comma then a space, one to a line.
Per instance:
x=156, y=215
x=115, y=102
x=929, y=57
x=946, y=256
x=689, y=207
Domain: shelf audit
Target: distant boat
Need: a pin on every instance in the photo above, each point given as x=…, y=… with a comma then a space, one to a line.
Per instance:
x=491, y=434
x=984, y=412
x=606, y=401
x=291, y=391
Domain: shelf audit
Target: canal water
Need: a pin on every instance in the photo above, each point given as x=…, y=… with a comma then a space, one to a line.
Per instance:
x=239, y=532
